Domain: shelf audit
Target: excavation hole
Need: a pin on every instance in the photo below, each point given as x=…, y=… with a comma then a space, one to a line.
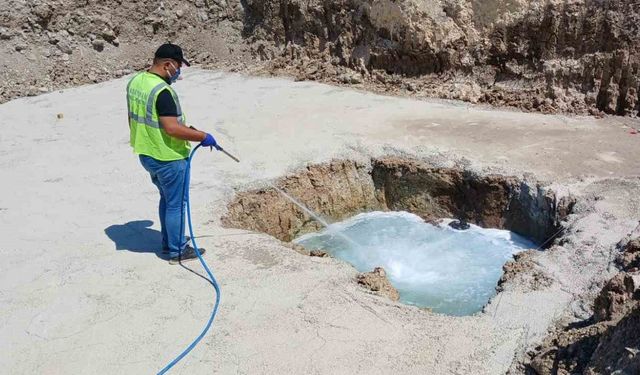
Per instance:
x=386, y=205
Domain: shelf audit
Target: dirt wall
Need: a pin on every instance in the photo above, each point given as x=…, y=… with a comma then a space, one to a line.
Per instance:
x=574, y=56
x=344, y=188
x=578, y=56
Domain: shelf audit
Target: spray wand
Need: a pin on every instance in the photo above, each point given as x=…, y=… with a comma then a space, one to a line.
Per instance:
x=228, y=154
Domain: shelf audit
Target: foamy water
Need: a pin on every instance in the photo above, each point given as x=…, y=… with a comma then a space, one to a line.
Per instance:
x=453, y=272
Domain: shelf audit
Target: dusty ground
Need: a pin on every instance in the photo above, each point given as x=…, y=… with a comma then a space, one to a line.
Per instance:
x=81, y=290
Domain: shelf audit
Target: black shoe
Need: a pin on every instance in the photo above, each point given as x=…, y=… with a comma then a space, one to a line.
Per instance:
x=166, y=251
x=189, y=253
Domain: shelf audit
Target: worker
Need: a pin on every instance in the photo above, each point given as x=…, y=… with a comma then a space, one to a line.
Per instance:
x=160, y=136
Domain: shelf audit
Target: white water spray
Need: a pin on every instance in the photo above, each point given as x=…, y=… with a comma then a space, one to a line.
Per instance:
x=451, y=271
x=317, y=218
x=304, y=208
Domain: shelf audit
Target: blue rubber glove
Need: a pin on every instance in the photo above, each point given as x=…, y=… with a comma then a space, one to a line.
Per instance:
x=209, y=141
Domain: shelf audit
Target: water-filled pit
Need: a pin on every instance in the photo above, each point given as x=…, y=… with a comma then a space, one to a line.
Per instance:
x=450, y=271
x=384, y=208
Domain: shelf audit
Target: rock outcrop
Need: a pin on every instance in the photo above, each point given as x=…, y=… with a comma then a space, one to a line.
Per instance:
x=618, y=351
x=377, y=282
x=524, y=269
x=608, y=342
x=616, y=298
x=629, y=259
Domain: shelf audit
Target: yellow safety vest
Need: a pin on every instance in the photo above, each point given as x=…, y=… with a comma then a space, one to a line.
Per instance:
x=146, y=134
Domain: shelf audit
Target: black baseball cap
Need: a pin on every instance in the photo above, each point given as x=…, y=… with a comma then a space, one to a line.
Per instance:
x=171, y=51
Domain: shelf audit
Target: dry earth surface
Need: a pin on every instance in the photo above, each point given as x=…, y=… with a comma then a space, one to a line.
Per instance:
x=92, y=297
x=552, y=56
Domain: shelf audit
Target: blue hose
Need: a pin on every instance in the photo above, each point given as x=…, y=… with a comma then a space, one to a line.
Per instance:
x=204, y=264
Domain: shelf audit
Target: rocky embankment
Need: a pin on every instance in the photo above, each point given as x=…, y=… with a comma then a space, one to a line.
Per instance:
x=574, y=56
x=607, y=343
x=577, y=56
x=53, y=44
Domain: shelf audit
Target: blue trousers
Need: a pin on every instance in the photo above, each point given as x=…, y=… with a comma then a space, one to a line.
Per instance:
x=169, y=177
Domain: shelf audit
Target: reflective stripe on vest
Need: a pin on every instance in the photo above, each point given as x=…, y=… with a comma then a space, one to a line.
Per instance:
x=142, y=92
x=148, y=118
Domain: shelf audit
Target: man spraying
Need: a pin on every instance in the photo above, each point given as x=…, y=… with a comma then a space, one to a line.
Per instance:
x=160, y=136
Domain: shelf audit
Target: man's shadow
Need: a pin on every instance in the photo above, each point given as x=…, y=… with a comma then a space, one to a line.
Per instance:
x=136, y=236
